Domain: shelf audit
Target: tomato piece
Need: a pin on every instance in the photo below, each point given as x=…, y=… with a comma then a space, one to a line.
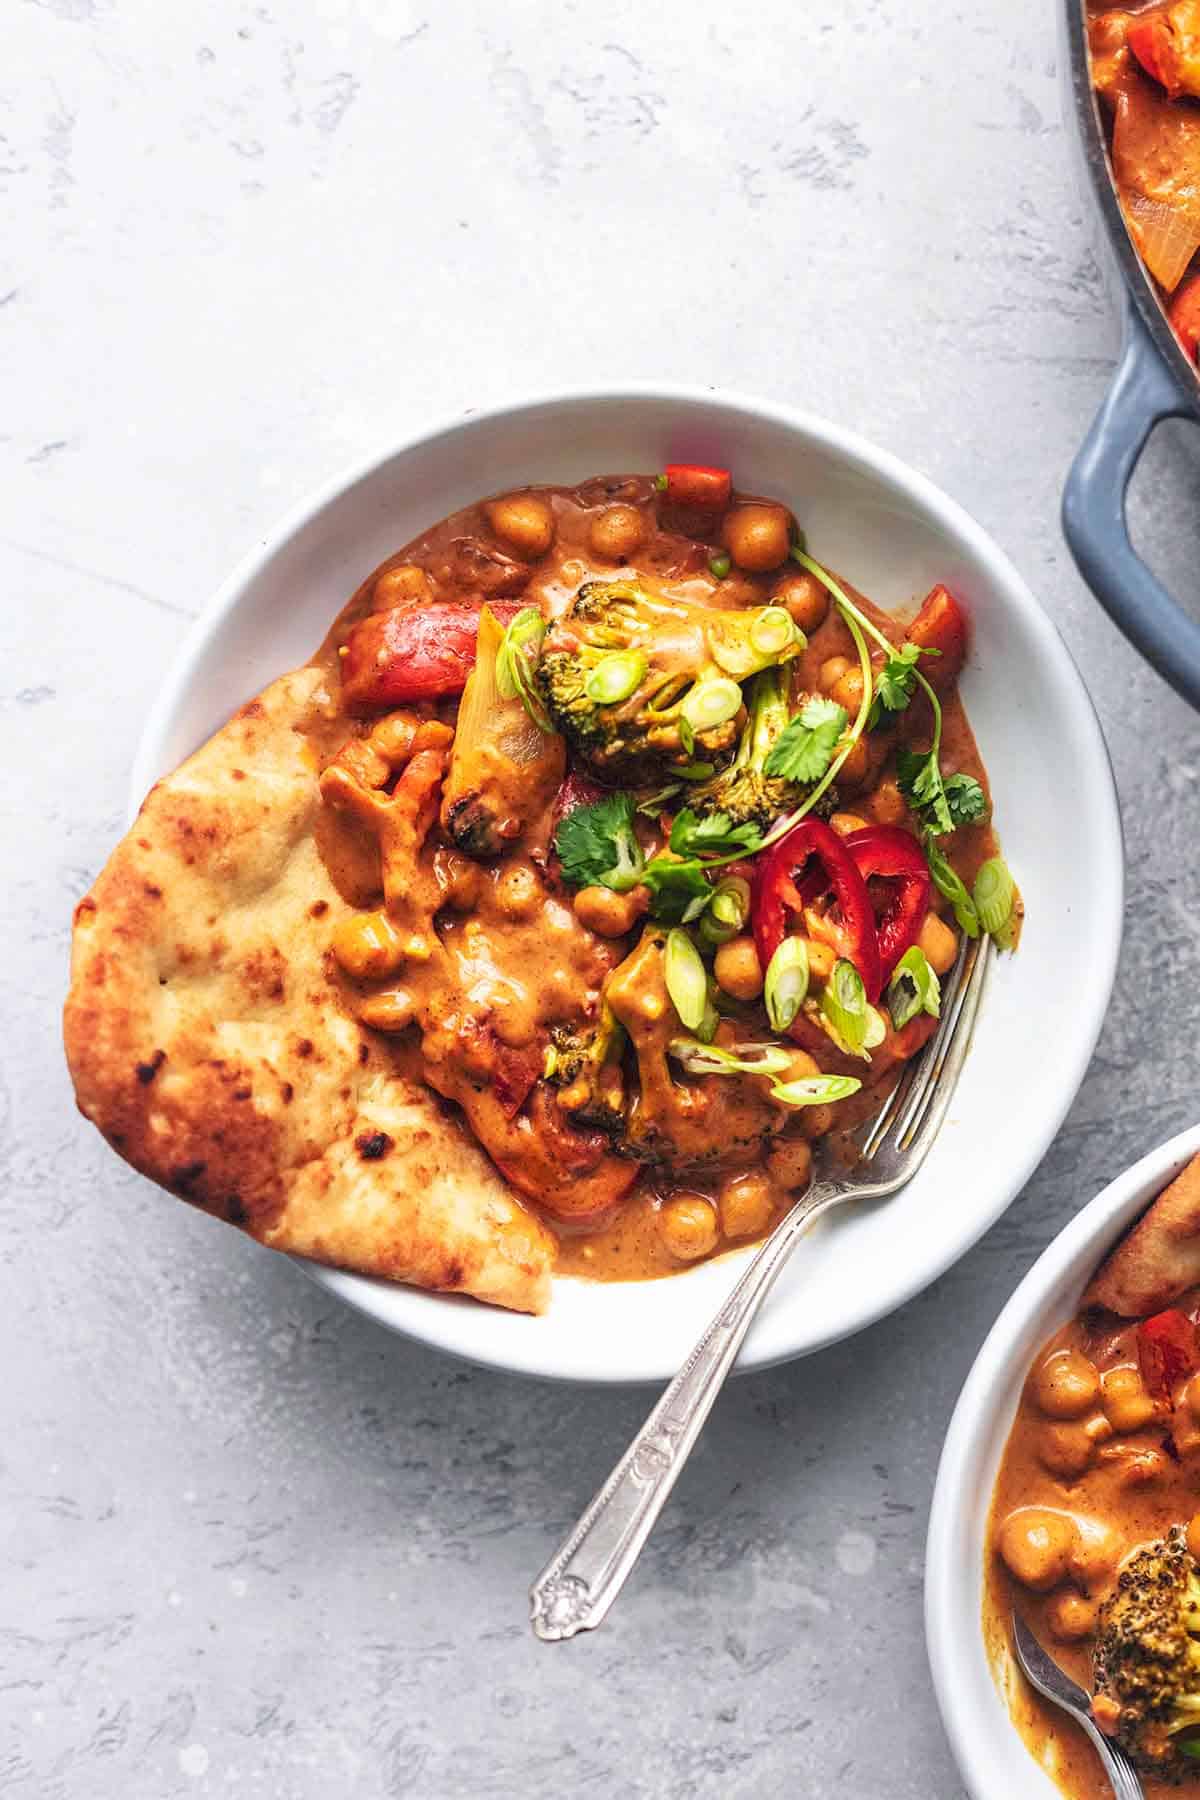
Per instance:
x=815, y=854
x=1151, y=42
x=1184, y=315
x=413, y=653
x=693, y=484
x=1168, y=1351
x=940, y=625
x=890, y=854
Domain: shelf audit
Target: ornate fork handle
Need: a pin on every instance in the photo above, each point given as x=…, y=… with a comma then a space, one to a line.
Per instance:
x=580, y=1582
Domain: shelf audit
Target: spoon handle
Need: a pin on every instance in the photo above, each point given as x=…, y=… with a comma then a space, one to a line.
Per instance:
x=583, y=1578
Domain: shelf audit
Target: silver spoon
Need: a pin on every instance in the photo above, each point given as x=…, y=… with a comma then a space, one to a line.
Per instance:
x=1045, y=1675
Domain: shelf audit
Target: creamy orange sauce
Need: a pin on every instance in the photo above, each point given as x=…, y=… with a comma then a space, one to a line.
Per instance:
x=1125, y=1492
x=504, y=957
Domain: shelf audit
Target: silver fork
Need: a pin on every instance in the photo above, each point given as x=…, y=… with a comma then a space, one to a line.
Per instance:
x=1046, y=1676
x=582, y=1579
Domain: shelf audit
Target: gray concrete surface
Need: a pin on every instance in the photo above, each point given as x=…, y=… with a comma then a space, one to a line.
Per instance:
x=252, y=1547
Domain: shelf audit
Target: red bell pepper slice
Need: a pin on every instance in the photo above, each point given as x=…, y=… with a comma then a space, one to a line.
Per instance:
x=1184, y=315
x=1152, y=42
x=940, y=625
x=888, y=853
x=413, y=653
x=819, y=858
x=1167, y=1351
x=692, y=484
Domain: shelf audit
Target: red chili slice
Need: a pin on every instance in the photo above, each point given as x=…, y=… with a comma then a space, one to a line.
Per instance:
x=1168, y=1351
x=888, y=853
x=809, y=862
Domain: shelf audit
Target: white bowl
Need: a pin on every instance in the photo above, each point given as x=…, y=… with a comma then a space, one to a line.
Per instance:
x=893, y=534
x=991, y=1754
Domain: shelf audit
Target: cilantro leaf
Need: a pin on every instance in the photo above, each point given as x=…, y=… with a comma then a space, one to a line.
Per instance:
x=966, y=800
x=804, y=749
x=680, y=890
x=896, y=681
x=597, y=847
x=692, y=835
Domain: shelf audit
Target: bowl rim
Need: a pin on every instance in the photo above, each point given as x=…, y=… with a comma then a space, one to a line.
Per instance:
x=982, y=1418
x=935, y=506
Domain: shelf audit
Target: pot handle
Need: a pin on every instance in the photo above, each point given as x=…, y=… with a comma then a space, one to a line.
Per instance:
x=1143, y=392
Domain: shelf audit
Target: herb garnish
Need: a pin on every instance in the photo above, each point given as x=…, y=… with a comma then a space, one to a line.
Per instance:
x=597, y=847
x=805, y=747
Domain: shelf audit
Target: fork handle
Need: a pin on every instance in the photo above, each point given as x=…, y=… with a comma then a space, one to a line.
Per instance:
x=580, y=1582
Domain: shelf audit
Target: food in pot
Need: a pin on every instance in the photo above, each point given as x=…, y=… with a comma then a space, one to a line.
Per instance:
x=1095, y=1524
x=609, y=853
x=1146, y=72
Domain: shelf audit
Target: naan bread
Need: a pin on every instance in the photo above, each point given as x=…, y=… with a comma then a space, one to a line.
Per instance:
x=208, y=1040
x=1159, y=1259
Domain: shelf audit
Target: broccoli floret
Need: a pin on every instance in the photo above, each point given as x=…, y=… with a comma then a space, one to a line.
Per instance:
x=665, y=653
x=585, y=1066
x=742, y=790
x=1148, y=1657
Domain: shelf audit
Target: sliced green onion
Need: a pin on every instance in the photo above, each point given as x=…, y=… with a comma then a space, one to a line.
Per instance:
x=773, y=630
x=711, y=703
x=706, y=1030
x=950, y=885
x=660, y=482
x=815, y=1090
x=743, y=1059
x=913, y=989
x=653, y=803
x=720, y=565
x=687, y=979
x=727, y=911
x=994, y=894
x=615, y=677
x=687, y=736
x=785, y=985
x=799, y=541
x=519, y=650
x=845, y=1009
x=697, y=771
x=876, y=1029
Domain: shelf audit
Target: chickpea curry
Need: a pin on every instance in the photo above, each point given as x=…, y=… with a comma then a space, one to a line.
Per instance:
x=1146, y=72
x=658, y=839
x=1095, y=1525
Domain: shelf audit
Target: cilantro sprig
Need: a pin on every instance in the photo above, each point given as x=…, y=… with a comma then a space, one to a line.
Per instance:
x=940, y=803
x=597, y=846
x=712, y=834
x=896, y=681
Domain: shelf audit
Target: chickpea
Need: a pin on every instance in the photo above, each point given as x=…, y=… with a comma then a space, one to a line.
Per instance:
x=847, y=690
x=887, y=805
x=939, y=943
x=757, y=535
x=610, y=914
x=1037, y=1544
x=525, y=522
x=856, y=769
x=1191, y=1397
x=846, y=822
x=746, y=1203
x=617, y=533
x=816, y=1121
x=391, y=1010
x=368, y=945
x=1124, y=1398
x=401, y=586
x=1094, y=1554
x=513, y=1024
x=518, y=890
x=1106, y=1710
x=789, y=1163
x=801, y=1067
x=1066, y=1385
x=806, y=598
x=831, y=672
x=688, y=1226
x=1066, y=1448
x=459, y=880
x=392, y=738
x=1071, y=1617
x=821, y=958
x=738, y=970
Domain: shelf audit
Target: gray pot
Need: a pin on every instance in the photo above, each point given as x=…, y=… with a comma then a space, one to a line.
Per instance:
x=1154, y=380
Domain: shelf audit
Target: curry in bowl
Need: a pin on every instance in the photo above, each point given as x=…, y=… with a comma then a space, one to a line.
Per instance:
x=1146, y=73
x=1094, y=1534
x=606, y=857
